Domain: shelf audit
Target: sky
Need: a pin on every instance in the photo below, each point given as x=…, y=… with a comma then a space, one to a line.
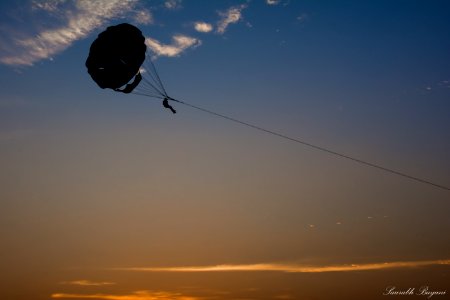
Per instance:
x=110, y=196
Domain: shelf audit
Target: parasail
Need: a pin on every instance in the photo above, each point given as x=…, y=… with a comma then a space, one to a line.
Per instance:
x=117, y=56
x=117, y=60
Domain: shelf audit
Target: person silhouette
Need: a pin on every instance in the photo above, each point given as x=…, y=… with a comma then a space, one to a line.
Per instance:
x=167, y=105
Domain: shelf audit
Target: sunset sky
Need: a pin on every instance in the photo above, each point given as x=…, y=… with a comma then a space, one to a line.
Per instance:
x=110, y=196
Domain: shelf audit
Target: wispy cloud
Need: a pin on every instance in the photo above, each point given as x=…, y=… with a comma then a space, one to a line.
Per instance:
x=232, y=15
x=292, y=268
x=273, y=2
x=143, y=16
x=80, y=19
x=138, y=295
x=442, y=84
x=172, y=4
x=77, y=19
x=276, y=2
x=178, y=45
x=303, y=17
x=203, y=27
x=84, y=282
x=49, y=5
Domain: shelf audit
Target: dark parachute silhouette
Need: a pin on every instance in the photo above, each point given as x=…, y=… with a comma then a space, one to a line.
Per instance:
x=116, y=56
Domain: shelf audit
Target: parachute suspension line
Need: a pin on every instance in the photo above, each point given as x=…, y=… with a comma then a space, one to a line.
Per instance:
x=151, y=86
x=146, y=94
x=155, y=72
x=146, y=88
x=151, y=78
x=152, y=81
x=332, y=152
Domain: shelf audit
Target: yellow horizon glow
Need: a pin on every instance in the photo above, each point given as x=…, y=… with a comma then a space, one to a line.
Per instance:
x=290, y=268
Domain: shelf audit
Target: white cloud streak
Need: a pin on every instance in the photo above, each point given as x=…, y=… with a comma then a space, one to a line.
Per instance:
x=203, y=27
x=179, y=44
x=232, y=15
x=80, y=21
x=293, y=268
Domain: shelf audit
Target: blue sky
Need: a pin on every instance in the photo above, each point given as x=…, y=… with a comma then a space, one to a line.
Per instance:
x=111, y=195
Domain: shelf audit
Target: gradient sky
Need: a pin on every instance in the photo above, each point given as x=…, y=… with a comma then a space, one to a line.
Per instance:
x=110, y=196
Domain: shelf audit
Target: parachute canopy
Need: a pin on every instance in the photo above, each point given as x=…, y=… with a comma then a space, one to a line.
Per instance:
x=116, y=56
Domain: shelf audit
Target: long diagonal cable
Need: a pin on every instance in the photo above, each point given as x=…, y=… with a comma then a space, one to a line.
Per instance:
x=163, y=94
x=299, y=141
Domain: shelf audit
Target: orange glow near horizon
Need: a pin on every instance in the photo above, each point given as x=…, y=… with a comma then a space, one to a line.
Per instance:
x=138, y=295
x=291, y=268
